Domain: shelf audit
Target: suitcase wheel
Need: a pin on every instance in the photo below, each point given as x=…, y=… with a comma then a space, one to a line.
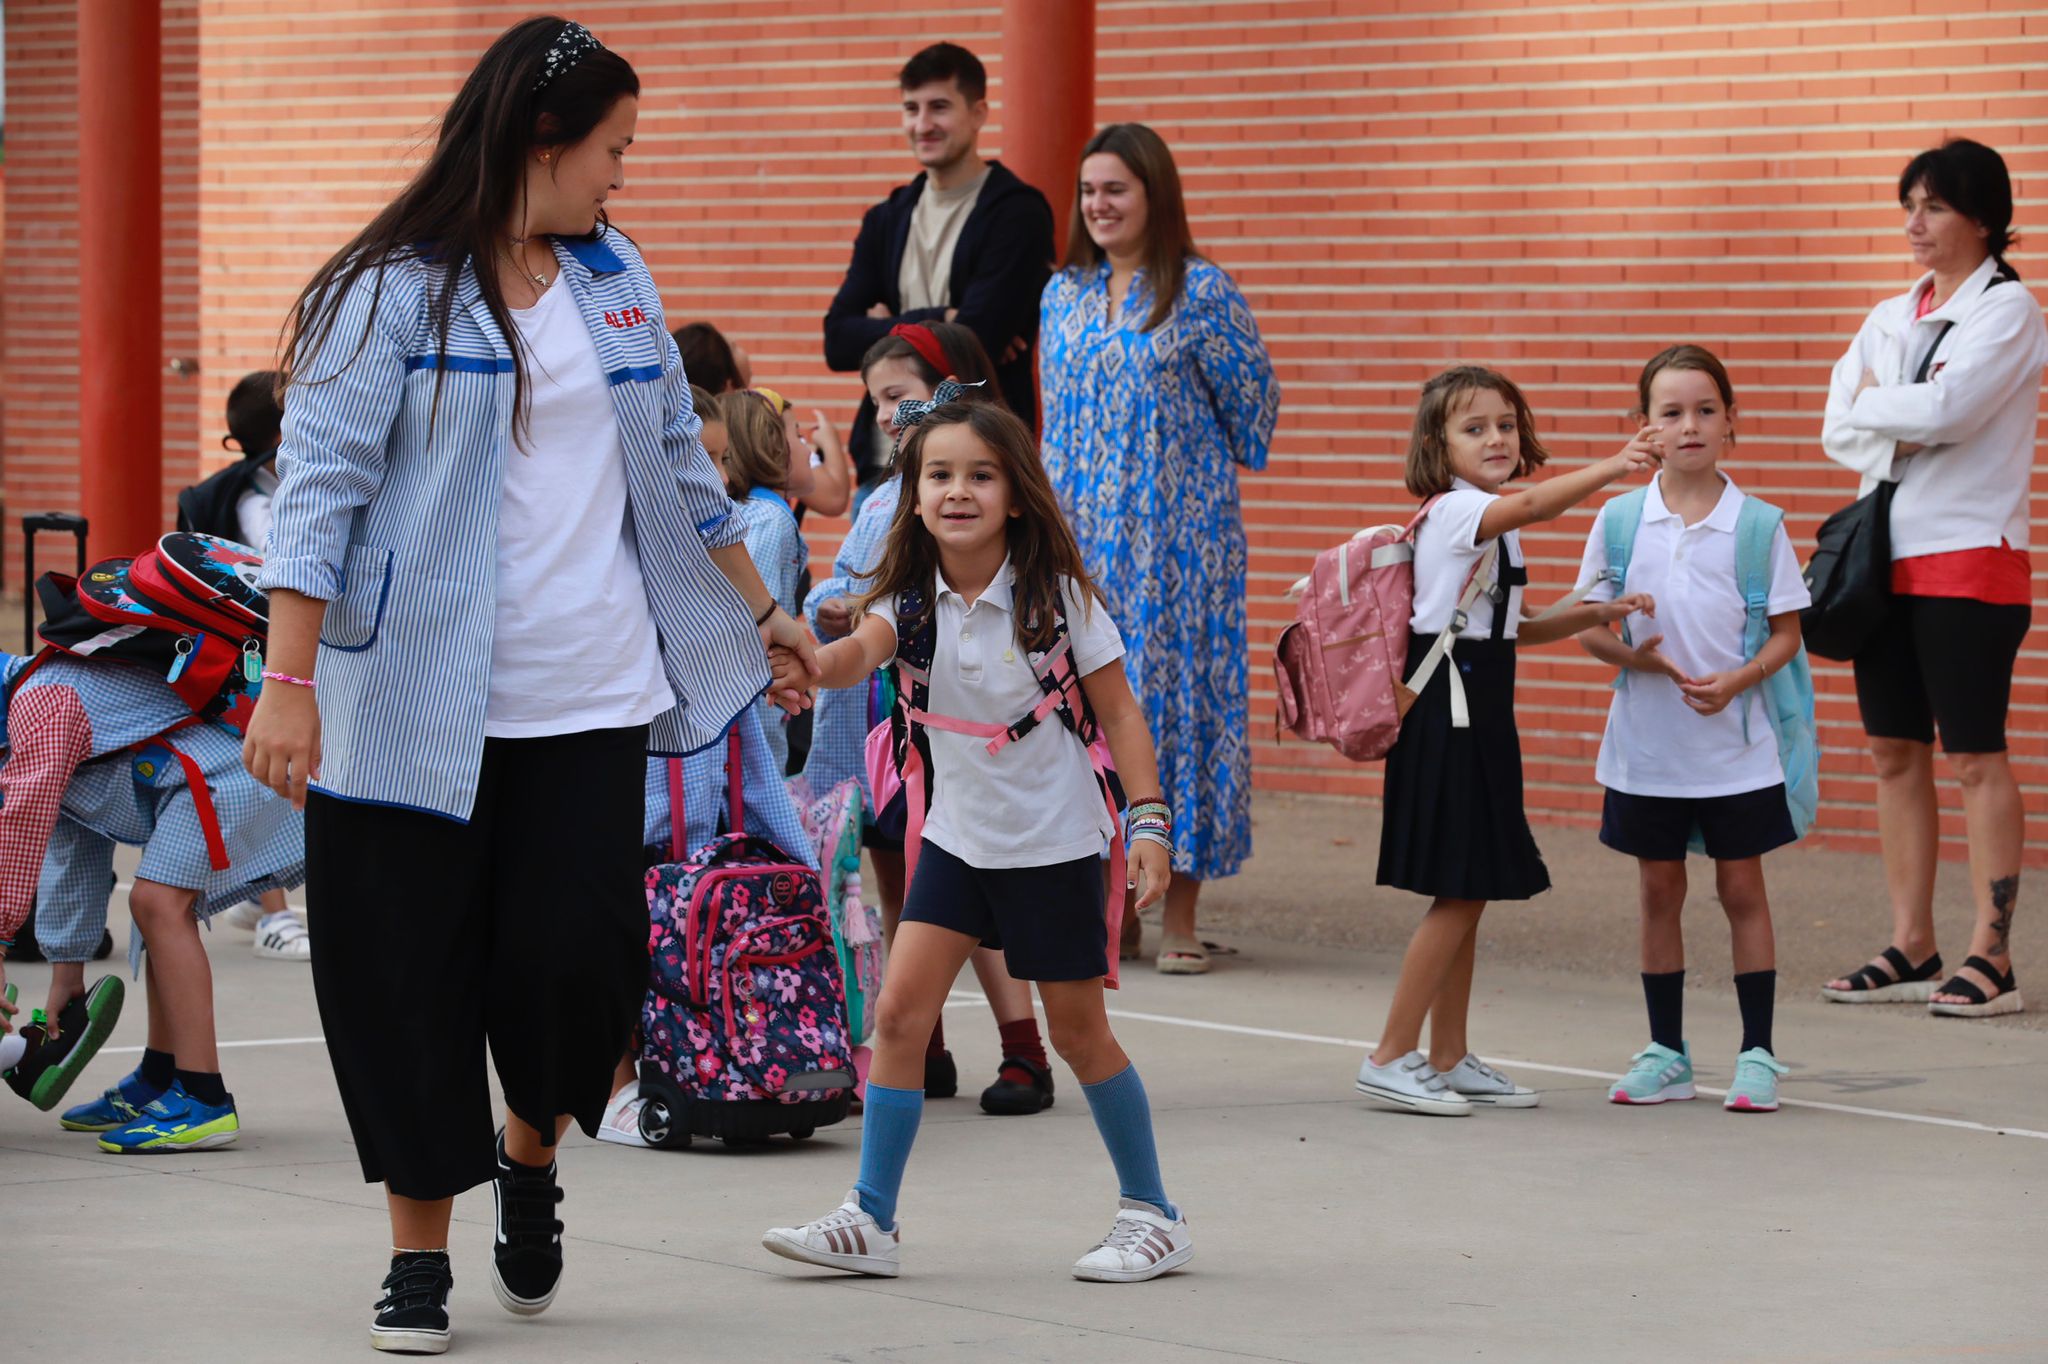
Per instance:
x=658, y=1125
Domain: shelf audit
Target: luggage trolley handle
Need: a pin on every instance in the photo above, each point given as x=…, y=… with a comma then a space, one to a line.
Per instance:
x=33, y=525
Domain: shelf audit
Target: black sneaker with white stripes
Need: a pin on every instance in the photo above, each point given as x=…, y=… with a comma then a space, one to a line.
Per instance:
x=412, y=1319
x=526, y=1257
x=845, y=1238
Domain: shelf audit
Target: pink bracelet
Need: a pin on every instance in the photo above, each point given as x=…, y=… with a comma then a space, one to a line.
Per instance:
x=305, y=682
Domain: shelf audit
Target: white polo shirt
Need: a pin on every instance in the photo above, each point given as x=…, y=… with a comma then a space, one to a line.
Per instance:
x=1447, y=544
x=1655, y=744
x=1035, y=803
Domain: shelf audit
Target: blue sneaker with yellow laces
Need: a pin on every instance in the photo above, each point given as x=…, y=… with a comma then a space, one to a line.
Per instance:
x=176, y=1122
x=117, y=1107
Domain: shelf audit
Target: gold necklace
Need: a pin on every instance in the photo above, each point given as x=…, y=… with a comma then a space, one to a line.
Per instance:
x=518, y=243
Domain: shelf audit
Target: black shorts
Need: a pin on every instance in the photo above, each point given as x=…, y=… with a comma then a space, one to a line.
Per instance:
x=1943, y=661
x=883, y=830
x=1049, y=921
x=1658, y=828
x=525, y=928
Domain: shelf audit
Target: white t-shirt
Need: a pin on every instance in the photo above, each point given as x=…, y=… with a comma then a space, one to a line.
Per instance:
x=1655, y=744
x=573, y=646
x=1035, y=803
x=252, y=508
x=1446, y=546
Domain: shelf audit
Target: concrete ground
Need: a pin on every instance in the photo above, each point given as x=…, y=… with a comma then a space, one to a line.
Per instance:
x=1892, y=1211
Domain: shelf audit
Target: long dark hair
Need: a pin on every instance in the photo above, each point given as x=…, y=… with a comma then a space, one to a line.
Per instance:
x=1042, y=548
x=1169, y=241
x=455, y=210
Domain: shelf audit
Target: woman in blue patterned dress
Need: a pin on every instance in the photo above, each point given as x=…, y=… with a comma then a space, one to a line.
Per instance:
x=1156, y=386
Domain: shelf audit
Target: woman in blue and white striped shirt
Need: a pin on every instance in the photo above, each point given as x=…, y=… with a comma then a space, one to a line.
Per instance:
x=496, y=519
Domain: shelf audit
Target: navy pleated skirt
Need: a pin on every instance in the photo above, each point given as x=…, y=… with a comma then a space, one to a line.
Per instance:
x=1453, y=823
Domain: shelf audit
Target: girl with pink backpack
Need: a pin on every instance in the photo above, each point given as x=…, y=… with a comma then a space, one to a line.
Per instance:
x=1453, y=826
x=1010, y=684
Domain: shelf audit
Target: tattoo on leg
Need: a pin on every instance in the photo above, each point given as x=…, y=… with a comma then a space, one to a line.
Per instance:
x=2004, y=892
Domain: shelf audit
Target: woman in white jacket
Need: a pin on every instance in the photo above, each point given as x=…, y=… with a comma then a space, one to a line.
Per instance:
x=1940, y=393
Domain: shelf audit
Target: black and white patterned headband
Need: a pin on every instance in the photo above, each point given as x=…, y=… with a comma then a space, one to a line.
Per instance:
x=571, y=46
x=913, y=411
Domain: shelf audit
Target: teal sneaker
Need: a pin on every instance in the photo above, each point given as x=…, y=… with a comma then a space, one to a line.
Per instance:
x=45, y=1074
x=117, y=1107
x=1756, y=1083
x=1659, y=1075
x=176, y=1122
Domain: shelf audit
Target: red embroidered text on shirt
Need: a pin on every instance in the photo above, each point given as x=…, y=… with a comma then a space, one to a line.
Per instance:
x=629, y=317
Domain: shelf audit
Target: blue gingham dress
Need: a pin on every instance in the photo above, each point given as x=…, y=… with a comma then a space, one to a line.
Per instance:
x=779, y=552
x=770, y=810
x=142, y=799
x=839, y=729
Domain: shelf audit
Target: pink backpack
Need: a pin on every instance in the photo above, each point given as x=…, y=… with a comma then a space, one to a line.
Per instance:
x=1339, y=666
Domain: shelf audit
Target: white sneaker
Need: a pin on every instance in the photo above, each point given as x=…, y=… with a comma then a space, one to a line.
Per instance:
x=621, y=1123
x=1411, y=1082
x=1142, y=1244
x=846, y=1238
x=243, y=916
x=1482, y=1084
x=283, y=937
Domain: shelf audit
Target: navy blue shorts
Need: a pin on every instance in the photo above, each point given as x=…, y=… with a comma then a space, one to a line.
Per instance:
x=1049, y=921
x=1657, y=828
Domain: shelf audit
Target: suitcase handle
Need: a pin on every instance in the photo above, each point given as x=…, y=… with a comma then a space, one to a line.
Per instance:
x=31, y=525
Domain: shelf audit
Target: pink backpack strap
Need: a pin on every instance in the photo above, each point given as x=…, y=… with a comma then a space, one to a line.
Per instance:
x=735, y=783
x=675, y=809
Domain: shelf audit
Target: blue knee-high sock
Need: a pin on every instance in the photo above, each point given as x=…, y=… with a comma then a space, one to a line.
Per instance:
x=888, y=1125
x=1124, y=1118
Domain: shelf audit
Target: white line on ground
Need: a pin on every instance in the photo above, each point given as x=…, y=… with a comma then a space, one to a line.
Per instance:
x=960, y=998
x=963, y=998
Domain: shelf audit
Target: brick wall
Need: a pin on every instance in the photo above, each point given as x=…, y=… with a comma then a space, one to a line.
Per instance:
x=38, y=321
x=1558, y=189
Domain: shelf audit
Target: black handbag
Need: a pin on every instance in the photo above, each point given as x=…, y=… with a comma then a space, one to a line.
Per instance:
x=1850, y=576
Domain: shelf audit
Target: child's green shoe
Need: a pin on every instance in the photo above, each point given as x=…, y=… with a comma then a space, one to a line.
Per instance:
x=1755, y=1089
x=44, y=1074
x=1657, y=1076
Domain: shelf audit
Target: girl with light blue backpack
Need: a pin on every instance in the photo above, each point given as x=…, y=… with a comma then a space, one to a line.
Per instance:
x=1710, y=742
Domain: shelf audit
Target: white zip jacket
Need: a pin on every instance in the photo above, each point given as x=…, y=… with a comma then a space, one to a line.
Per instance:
x=1975, y=413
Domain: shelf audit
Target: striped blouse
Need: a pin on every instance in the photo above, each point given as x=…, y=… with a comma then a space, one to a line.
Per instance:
x=395, y=527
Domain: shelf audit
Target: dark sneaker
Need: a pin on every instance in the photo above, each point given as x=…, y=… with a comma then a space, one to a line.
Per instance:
x=1022, y=1086
x=526, y=1259
x=941, y=1076
x=45, y=1072
x=412, y=1319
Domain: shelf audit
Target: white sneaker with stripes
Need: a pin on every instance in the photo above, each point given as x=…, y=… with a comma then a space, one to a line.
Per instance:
x=1142, y=1244
x=282, y=937
x=846, y=1238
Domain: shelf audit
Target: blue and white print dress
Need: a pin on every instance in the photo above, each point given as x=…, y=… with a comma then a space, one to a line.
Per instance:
x=1143, y=433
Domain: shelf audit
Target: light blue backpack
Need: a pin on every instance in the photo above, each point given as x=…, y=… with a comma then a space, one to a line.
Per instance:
x=1787, y=694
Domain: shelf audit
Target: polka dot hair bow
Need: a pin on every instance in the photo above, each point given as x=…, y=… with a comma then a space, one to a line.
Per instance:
x=571, y=46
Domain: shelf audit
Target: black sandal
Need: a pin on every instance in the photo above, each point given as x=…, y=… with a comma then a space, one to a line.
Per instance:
x=2006, y=1001
x=1908, y=984
x=1011, y=1098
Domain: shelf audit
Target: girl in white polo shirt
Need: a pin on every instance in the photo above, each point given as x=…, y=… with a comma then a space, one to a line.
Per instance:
x=977, y=576
x=1690, y=757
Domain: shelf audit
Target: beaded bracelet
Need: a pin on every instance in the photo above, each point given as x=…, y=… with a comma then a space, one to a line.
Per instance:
x=305, y=682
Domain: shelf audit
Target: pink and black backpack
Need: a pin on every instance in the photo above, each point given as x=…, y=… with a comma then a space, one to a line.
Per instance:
x=743, y=1031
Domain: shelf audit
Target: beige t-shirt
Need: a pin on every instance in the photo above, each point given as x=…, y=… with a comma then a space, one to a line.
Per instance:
x=934, y=231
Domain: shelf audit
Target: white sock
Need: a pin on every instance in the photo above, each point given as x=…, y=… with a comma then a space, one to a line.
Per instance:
x=11, y=1048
